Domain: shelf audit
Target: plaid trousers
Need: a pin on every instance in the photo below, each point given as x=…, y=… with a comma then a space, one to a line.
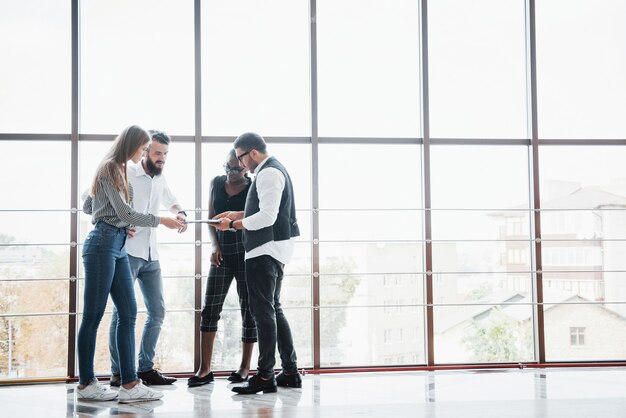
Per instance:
x=218, y=283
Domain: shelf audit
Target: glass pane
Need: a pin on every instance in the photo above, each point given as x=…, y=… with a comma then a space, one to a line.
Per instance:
x=35, y=227
x=300, y=262
x=227, y=348
x=90, y=155
x=177, y=259
x=35, y=46
x=349, y=225
x=484, y=333
x=583, y=178
x=137, y=62
x=580, y=331
x=295, y=157
x=16, y=296
x=369, y=337
x=494, y=224
x=477, y=69
x=481, y=288
x=366, y=87
x=479, y=177
x=370, y=258
x=580, y=68
x=304, y=223
x=180, y=174
x=178, y=293
x=34, y=262
x=580, y=287
x=482, y=256
x=33, y=347
x=45, y=159
x=378, y=176
x=603, y=223
x=174, y=352
x=392, y=291
x=255, y=67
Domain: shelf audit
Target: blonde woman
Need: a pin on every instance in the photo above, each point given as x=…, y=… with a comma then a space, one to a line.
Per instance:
x=107, y=271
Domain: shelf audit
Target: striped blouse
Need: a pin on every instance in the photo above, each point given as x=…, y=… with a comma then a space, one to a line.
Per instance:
x=109, y=205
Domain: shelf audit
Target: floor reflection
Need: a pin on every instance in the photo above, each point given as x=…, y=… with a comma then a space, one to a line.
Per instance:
x=544, y=393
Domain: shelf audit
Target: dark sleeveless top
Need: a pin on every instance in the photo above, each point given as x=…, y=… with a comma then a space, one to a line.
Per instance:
x=230, y=242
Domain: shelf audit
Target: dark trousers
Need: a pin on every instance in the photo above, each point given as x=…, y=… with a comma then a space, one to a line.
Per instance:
x=264, y=276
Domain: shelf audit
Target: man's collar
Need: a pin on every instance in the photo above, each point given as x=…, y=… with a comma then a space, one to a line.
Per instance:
x=140, y=171
x=262, y=163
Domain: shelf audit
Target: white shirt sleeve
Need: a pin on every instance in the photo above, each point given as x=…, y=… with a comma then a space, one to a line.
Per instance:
x=167, y=197
x=270, y=183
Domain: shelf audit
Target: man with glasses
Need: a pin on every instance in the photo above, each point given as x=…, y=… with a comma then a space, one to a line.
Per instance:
x=150, y=191
x=226, y=193
x=269, y=229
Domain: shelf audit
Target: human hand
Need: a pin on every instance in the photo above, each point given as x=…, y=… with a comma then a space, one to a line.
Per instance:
x=131, y=231
x=172, y=223
x=235, y=216
x=224, y=224
x=216, y=257
x=182, y=219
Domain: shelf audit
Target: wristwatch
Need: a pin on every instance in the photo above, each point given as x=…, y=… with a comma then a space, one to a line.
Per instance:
x=231, y=226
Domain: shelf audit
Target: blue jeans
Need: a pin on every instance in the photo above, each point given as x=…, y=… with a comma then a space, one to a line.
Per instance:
x=107, y=272
x=151, y=284
x=264, y=276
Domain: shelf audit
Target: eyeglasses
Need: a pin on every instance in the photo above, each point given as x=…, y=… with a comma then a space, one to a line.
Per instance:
x=230, y=169
x=239, y=157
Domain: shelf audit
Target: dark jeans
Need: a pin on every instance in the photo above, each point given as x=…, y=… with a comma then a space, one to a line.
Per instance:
x=107, y=272
x=264, y=276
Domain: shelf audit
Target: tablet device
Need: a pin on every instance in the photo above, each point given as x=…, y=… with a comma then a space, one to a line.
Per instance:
x=204, y=221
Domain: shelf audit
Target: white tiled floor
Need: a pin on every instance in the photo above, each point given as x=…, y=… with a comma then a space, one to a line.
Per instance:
x=592, y=392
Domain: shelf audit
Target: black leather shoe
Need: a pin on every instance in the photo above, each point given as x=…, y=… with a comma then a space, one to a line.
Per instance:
x=199, y=381
x=255, y=385
x=289, y=380
x=116, y=380
x=155, y=377
x=237, y=378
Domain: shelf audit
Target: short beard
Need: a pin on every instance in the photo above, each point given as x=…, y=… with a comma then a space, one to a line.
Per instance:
x=153, y=169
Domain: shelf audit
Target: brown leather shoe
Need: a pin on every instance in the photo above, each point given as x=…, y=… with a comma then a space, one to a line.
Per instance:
x=155, y=377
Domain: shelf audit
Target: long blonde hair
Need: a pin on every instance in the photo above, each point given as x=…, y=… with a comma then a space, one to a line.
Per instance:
x=113, y=165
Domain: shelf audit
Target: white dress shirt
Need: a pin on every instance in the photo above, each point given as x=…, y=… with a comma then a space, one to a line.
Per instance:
x=149, y=194
x=270, y=183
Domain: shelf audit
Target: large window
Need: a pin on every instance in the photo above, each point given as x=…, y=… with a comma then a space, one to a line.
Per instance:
x=460, y=185
x=35, y=74
x=137, y=65
x=580, y=69
x=368, y=68
x=477, y=67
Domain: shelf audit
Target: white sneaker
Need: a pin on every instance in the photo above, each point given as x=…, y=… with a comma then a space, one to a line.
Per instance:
x=95, y=392
x=138, y=393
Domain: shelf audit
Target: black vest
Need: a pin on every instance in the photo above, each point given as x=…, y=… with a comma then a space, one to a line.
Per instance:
x=286, y=225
